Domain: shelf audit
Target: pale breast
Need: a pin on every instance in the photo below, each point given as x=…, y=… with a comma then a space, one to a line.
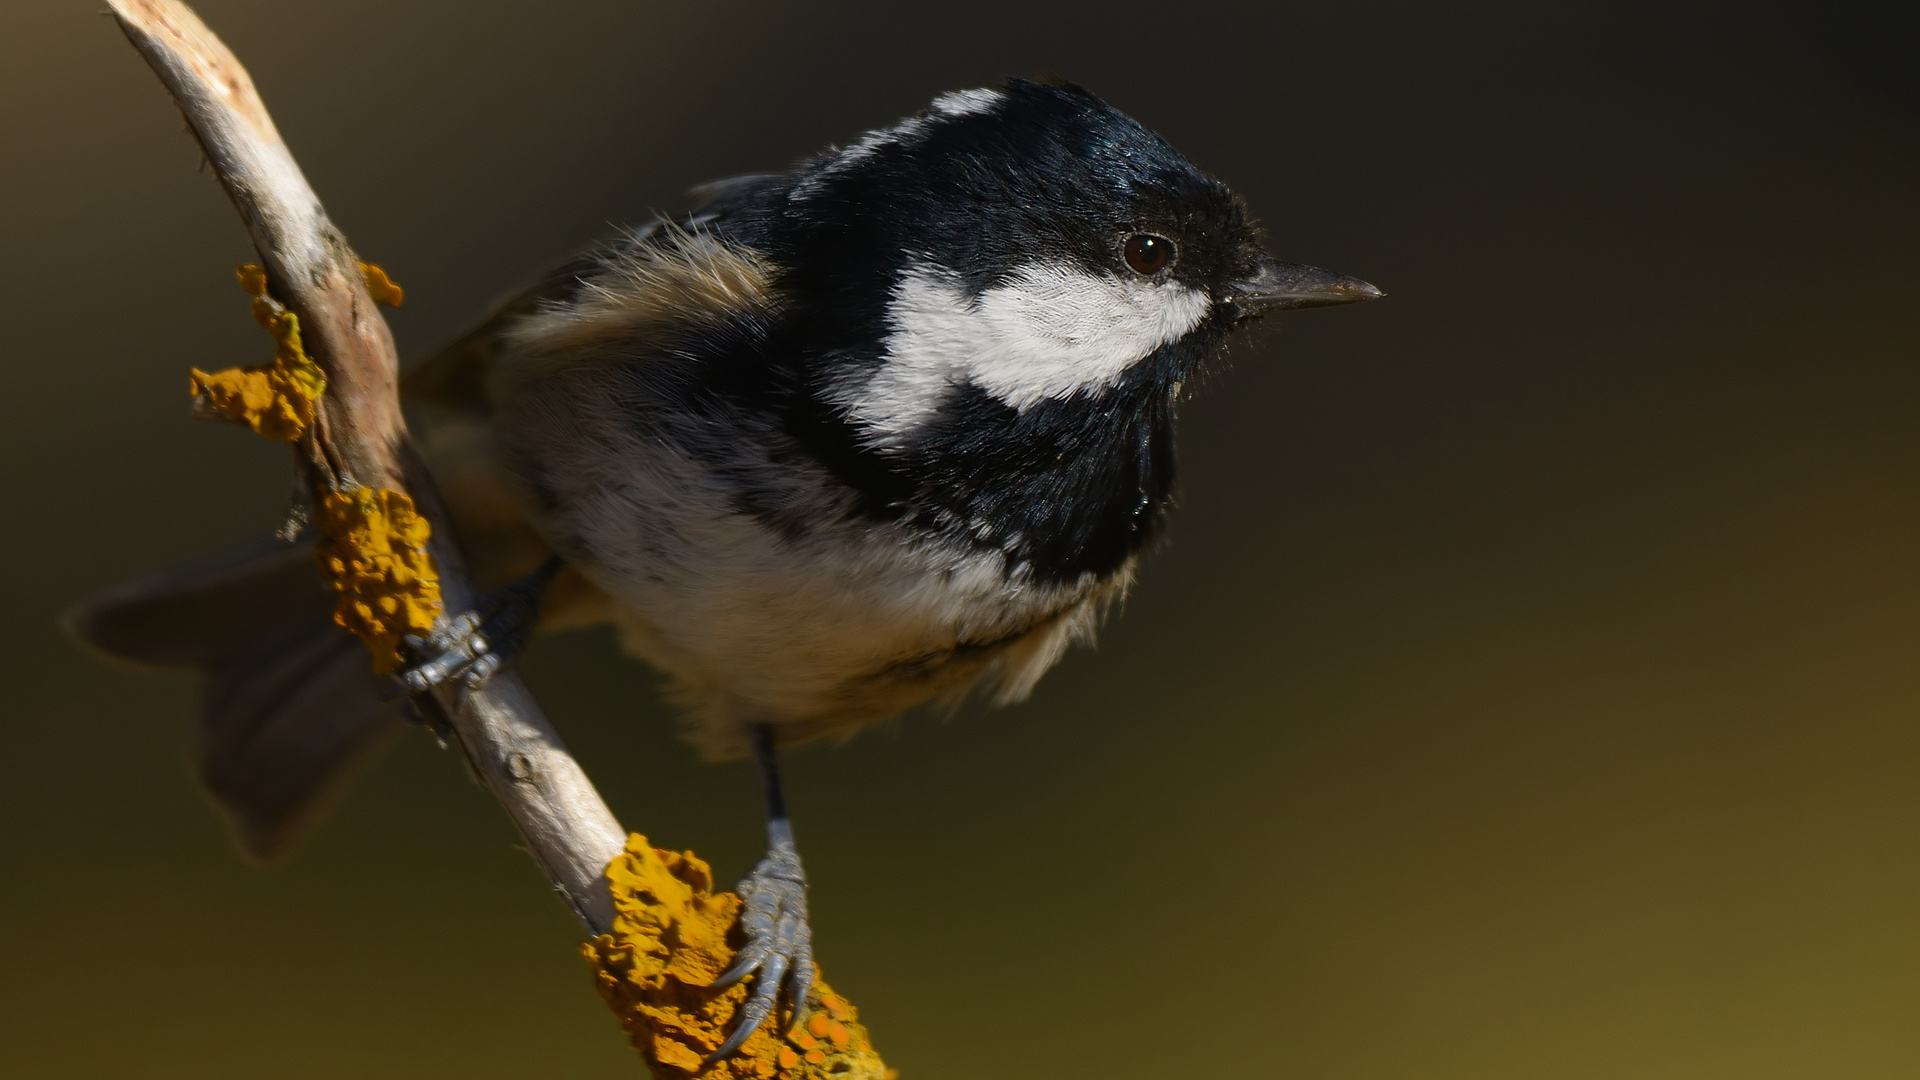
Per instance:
x=813, y=630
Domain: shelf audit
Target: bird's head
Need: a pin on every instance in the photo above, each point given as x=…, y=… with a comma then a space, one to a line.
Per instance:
x=1002, y=297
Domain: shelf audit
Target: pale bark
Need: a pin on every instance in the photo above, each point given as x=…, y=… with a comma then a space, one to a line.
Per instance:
x=361, y=437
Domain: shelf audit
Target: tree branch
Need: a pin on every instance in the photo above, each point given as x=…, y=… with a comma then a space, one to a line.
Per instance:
x=360, y=437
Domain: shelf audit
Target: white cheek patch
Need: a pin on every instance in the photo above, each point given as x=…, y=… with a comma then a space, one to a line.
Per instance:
x=1050, y=333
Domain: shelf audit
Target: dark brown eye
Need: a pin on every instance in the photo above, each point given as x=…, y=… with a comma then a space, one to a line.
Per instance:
x=1147, y=253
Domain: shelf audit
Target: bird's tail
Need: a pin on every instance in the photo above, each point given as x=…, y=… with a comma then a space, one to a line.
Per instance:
x=289, y=707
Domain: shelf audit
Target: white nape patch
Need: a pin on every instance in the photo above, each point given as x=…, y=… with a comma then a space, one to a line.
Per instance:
x=966, y=102
x=1051, y=332
x=950, y=106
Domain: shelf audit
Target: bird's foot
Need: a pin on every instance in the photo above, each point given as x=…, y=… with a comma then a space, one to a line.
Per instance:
x=779, y=942
x=473, y=646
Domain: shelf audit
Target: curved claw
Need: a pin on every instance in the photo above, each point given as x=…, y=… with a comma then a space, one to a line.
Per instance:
x=800, y=979
x=757, y=920
x=734, y=1042
x=751, y=957
x=779, y=946
x=760, y=1006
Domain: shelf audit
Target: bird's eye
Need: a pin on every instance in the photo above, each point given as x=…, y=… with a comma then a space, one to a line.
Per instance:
x=1147, y=253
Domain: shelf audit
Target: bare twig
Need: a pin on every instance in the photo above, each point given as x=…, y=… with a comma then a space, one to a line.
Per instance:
x=362, y=437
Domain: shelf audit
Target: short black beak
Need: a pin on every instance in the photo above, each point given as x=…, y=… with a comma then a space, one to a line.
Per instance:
x=1282, y=286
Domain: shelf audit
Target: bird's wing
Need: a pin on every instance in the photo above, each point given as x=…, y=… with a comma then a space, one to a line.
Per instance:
x=456, y=375
x=454, y=415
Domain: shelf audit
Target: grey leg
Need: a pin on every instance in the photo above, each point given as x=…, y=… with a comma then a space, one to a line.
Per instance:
x=779, y=939
x=474, y=645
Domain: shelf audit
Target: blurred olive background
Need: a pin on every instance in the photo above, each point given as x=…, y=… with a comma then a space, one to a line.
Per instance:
x=1529, y=689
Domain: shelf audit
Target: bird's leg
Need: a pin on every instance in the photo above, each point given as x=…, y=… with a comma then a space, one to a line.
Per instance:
x=779, y=939
x=473, y=645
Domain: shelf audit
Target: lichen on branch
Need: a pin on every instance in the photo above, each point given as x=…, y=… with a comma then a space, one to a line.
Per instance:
x=276, y=399
x=381, y=287
x=374, y=551
x=672, y=937
x=374, y=554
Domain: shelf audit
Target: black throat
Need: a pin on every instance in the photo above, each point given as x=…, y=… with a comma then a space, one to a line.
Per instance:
x=1064, y=488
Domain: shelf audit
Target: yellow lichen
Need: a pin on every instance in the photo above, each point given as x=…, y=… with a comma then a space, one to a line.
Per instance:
x=277, y=400
x=672, y=936
x=375, y=555
x=381, y=287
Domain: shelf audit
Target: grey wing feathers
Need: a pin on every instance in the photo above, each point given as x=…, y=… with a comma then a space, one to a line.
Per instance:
x=456, y=375
x=289, y=704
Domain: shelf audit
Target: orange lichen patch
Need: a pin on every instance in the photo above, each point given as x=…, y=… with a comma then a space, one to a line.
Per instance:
x=277, y=399
x=375, y=555
x=382, y=287
x=672, y=936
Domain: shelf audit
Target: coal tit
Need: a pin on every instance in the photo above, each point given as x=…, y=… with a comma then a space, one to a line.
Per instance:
x=890, y=428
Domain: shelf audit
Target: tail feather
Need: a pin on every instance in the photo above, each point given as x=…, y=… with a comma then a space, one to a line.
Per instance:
x=195, y=615
x=285, y=723
x=289, y=706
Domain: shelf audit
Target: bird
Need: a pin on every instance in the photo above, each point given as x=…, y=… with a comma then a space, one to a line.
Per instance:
x=890, y=428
